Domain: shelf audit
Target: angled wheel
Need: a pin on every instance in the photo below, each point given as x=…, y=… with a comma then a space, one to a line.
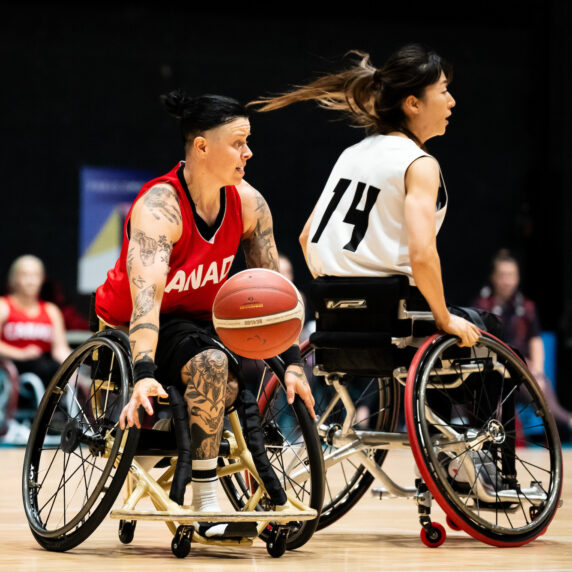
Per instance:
x=294, y=451
x=461, y=409
x=77, y=456
x=376, y=402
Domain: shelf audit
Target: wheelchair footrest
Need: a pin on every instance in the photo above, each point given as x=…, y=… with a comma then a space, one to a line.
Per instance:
x=188, y=516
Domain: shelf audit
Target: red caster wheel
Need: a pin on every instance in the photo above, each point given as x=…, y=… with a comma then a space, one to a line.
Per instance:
x=434, y=536
x=452, y=524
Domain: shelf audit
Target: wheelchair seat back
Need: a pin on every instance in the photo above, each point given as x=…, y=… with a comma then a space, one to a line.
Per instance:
x=356, y=320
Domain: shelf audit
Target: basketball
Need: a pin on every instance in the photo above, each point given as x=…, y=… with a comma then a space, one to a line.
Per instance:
x=258, y=313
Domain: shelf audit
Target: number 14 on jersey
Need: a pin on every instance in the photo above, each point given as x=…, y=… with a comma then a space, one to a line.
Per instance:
x=354, y=216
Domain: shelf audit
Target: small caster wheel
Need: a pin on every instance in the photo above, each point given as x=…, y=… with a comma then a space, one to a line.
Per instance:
x=276, y=546
x=181, y=543
x=434, y=535
x=127, y=530
x=452, y=524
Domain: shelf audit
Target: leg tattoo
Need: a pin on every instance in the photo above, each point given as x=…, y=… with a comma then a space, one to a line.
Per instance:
x=205, y=377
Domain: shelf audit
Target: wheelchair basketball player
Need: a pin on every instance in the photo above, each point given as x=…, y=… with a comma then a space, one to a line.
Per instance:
x=180, y=238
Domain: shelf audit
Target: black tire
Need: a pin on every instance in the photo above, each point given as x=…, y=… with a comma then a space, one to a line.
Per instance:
x=127, y=531
x=463, y=407
x=292, y=445
x=347, y=481
x=77, y=457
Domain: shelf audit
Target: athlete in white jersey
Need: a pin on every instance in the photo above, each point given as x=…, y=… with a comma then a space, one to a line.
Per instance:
x=381, y=207
x=358, y=226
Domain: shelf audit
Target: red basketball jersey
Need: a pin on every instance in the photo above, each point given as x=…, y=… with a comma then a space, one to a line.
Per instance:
x=21, y=330
x=198, y=266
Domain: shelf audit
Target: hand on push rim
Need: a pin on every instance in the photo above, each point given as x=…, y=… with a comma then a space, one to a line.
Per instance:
x=142, y=390
x=297, y=384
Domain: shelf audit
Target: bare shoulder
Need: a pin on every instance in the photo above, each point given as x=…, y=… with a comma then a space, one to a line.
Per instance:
x=425, y=166
x=3, y=309
x=254, y=205
x=159, y=209
x=54, y=312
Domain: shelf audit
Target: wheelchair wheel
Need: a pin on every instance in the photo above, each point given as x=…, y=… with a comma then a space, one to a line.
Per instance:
x=294, y=451
x=376, y=401
x=463, y=409
x=77, y=457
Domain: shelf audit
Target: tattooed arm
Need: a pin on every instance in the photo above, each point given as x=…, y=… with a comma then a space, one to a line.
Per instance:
x=257, y=234
x=155, y=225
x=260, y=252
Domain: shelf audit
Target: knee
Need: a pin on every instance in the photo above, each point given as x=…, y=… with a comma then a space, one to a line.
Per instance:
x=208, y=366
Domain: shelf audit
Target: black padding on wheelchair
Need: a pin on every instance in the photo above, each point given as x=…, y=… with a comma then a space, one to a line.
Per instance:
x=356, y=319
x=248, y=412
x=183, y=471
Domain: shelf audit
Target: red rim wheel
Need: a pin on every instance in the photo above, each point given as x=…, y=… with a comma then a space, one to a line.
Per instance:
x=434, y=536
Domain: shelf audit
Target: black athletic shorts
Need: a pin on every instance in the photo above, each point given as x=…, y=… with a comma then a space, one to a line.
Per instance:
x=181, y=339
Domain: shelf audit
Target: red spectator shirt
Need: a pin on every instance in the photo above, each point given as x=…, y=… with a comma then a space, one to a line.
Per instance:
x=199, y=264
x=20, y=330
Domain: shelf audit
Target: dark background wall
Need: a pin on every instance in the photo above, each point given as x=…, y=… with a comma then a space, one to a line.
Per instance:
x=80, y=88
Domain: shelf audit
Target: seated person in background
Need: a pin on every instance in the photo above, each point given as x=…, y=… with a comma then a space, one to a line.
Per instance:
x=521, y=328
x=32, y=333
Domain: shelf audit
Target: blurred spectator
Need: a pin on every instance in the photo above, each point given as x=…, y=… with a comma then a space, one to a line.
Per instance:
x=32, y=335
x=521, y=327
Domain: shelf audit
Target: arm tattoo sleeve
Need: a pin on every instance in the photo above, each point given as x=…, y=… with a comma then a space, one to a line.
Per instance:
x=159, y=201
x=260, y=248
x=144, y=302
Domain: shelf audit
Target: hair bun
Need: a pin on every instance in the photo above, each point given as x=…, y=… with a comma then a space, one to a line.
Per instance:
x=177, y=102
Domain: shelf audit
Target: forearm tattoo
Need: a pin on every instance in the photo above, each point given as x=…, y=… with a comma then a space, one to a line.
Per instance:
x=149, y=247
x=143, y=302
x=159, y=200
x=205, y=377
x=144, y=326
x=260, y=248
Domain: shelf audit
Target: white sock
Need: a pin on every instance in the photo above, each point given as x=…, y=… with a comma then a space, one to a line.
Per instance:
x=204, y=485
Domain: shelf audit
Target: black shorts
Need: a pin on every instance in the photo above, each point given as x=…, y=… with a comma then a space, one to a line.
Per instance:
x=181, y=339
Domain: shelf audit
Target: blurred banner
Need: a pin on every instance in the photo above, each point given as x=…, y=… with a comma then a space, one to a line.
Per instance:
x=105, y=197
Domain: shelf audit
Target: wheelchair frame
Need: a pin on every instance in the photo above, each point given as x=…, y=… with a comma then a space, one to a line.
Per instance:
x=369, y=447
x=92, y=435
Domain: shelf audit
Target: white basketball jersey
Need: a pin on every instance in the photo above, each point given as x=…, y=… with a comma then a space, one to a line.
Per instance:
x=359, y=226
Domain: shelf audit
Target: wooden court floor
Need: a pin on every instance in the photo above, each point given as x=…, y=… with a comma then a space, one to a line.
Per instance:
x=375, y=535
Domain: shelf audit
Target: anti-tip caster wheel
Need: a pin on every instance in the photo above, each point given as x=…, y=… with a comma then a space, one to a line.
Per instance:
x=181, y=543
x=434, y=535
x=127, y=530
x=452, y=524
x=276, y=545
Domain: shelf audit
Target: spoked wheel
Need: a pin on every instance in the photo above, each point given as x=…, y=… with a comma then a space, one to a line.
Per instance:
x=77, y=456
x=462, y=406
x=294, y=451
x=376, y=402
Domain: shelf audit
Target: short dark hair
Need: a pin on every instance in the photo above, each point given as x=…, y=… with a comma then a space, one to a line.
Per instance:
x=201, y=113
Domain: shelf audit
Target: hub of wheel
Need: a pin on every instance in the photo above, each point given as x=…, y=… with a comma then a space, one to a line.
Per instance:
x=496, y=431
x=71, y=436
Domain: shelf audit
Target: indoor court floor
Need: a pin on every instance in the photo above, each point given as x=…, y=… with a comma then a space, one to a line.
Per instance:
x=375, y=535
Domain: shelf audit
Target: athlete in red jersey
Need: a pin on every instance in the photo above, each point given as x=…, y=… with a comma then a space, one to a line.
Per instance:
x=30, y=328
x=32, y=332
x=181, y=236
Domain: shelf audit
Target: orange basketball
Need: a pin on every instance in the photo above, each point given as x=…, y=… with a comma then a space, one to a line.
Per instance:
x=258, y=313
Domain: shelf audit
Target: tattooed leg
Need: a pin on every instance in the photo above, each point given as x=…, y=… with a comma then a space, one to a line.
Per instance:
x=205, y=377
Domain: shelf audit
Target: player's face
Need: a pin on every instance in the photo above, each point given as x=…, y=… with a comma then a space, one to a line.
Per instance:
x=435, y=108
x=505, y=279
x=28, y=279
x=229, y=151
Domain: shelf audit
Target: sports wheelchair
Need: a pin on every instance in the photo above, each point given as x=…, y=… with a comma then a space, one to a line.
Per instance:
x=78, y=459
x=485, y=444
